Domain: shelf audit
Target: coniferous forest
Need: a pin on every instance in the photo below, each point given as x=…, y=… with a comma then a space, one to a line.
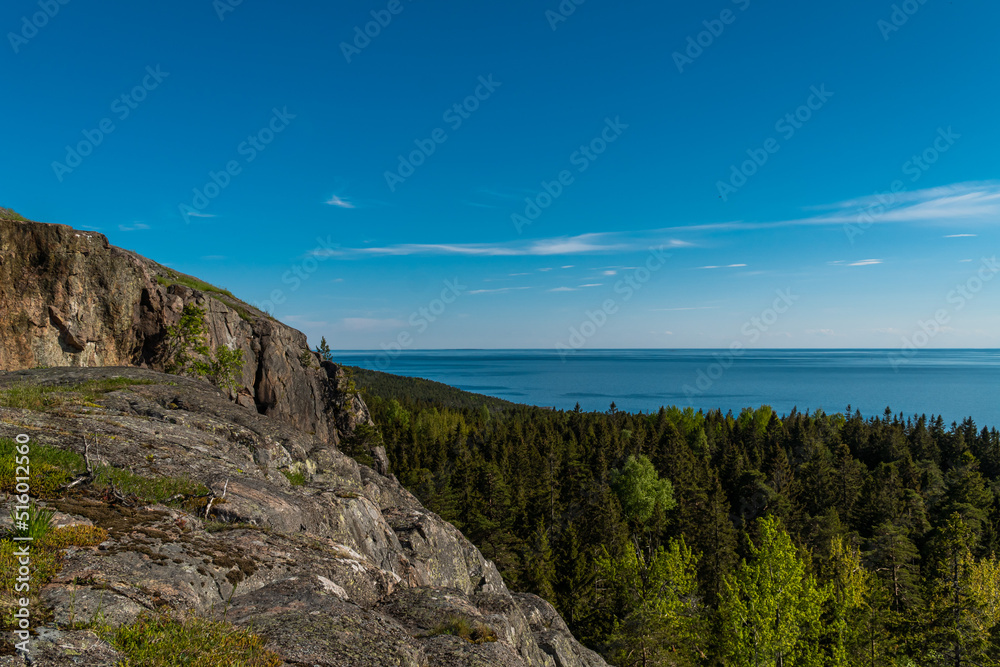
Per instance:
x=690, y=538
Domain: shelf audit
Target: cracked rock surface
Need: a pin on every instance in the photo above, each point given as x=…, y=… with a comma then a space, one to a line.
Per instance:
x=346, y=570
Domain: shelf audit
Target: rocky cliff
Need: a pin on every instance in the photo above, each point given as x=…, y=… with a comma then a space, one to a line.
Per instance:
x=69, y=298
x=331, y=562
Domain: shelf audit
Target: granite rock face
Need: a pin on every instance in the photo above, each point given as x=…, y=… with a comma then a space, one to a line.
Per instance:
x=69, y=298
x=345, y=569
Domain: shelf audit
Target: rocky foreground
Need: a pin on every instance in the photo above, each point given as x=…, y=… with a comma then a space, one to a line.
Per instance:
x=347, y=569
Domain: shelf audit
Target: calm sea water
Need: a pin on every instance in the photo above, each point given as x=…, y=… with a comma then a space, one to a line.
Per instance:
x=953, y=383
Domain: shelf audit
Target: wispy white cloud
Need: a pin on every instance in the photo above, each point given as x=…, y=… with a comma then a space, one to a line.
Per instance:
x=866, y=262
x=194, y=214
x=496, y=291
x=961, y=203
x=960, y=236
x=727, y=266
x=340, y=202
x=594, y=243
x=136, y=227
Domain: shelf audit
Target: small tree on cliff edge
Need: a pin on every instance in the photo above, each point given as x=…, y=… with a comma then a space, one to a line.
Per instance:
x=324, y=350
x=185, y=343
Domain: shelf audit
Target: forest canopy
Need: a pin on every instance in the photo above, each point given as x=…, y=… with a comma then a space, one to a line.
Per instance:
x=693, y=538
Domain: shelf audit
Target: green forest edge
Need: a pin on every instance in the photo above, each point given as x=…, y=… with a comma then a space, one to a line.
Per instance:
x=691, y=538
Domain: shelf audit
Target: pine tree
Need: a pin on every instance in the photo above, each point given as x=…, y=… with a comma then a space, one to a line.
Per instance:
x=964, y=608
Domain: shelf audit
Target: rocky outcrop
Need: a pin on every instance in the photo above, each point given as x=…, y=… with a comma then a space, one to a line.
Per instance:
x=70, y=298
x=344, y=570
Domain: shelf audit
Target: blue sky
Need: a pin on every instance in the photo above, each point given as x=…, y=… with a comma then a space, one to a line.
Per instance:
x=840, y=154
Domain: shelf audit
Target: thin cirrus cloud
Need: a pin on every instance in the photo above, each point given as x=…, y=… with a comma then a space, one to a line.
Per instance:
x=961, y=203
x=137, y=227
x=960, y=236
x=860, y=262
x=565, y=245
x=340, y=202
x=500, y=290
x=727, y=266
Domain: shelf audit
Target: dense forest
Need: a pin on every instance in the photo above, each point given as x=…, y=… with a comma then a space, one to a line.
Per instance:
x=690, y=538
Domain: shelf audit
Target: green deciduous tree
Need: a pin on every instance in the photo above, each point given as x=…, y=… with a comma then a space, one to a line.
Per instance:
x=771, y=607
x=640, y=489
x=657, y=614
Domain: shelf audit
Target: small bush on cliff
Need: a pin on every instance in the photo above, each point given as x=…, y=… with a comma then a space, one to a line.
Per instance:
x=186, y=352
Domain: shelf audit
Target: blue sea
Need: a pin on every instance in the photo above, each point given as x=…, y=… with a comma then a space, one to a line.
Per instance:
x=953, y=383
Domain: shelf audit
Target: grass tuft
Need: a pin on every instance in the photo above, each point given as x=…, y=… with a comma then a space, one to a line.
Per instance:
x=36, y=521
x=34, y=397
x=471, y=631
x=161, y=641
x=146, y=489
x=73, y=536
x=51, y=468
x=296, y=478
